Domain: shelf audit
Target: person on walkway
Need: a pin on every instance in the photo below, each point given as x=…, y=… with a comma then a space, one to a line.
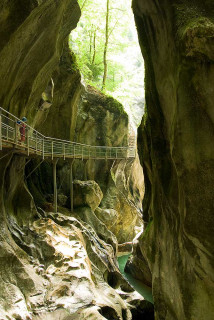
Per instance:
x=22, y=129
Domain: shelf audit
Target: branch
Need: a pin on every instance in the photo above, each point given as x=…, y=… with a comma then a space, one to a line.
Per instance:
x=118, y=9
x=110, y=32
x=84, y=3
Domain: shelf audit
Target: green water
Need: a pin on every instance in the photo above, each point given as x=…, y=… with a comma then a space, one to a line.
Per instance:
x=145, y=291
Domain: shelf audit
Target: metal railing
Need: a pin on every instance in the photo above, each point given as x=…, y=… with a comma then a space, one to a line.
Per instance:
x=17, y=133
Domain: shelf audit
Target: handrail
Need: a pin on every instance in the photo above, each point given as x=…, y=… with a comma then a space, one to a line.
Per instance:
x=25, y=138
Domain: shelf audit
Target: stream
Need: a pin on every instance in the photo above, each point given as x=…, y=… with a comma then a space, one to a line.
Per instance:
x=145, y=291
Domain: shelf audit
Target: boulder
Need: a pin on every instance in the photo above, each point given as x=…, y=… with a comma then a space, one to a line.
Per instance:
x=87, y=193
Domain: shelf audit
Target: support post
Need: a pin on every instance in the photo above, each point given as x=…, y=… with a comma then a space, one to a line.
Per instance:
x=16, y=133
x=52, y=150
x=28, y=141
x=85, y=169
x=36, y=143
x=0, y=131
x=55, y=184
x=71, y=185
x=43, y=148
x=64, y=151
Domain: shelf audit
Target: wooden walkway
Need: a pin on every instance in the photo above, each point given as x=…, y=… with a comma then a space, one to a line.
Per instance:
x=36, y=144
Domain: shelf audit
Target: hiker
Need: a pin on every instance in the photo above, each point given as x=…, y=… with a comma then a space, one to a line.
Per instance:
x=22, y=129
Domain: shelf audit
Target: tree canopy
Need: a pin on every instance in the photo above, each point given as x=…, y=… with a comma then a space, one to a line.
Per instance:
x=108, y=54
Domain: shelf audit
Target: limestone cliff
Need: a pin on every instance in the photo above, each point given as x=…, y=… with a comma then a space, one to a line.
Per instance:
x=176, y=150
x=102, y=121
x=30, y=47
x=58, y=265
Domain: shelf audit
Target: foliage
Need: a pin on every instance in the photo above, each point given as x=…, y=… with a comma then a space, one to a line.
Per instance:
x=125, y=64
x=106, y=101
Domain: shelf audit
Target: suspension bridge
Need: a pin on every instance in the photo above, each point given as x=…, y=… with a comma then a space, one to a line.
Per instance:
x=31, y=143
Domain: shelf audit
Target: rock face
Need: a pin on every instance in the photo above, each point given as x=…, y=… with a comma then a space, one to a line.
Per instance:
x=55, y=265
x=124, y=195
x=176, y=150
x=96, y=109
x=30, y=48
x=87, y=193
x=58, y=266
x=101, y=121
x=60, y=119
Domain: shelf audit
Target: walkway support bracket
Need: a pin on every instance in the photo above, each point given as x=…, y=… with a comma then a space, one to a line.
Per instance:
x=28, y=142
x=85, y=170
x=43, y=149
x=34, y=168
x=71, y=185
x=55, y=184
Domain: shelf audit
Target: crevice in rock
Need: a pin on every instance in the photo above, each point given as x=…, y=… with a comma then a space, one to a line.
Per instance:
x=109, y=313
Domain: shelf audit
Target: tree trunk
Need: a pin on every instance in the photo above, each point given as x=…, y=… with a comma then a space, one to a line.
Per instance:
x=106, y=46
x=91, y=36
x=94, y=44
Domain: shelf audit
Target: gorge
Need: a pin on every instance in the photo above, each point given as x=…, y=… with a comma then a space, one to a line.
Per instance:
x=157, y=208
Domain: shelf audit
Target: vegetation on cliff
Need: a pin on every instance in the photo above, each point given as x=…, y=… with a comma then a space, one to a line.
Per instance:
x=106, y=46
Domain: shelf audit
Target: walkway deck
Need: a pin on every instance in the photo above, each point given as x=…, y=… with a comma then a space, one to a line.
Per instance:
x=36, y=144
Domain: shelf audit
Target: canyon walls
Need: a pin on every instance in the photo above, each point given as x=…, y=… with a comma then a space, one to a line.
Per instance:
x=62, y=265
x=176, y=150
x=32, y=37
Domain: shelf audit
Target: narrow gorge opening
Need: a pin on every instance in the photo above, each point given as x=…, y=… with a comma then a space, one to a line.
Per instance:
x=108, y=55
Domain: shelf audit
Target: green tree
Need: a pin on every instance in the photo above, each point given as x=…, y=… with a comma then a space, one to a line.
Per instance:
x=106, y=46
x=108, y=55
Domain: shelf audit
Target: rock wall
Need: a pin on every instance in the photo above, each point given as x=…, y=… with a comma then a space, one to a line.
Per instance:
x=54, y=265
x=124, y=197
x=176, y=150
x=102, y=121
x=59, y=120
x=32, y=37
